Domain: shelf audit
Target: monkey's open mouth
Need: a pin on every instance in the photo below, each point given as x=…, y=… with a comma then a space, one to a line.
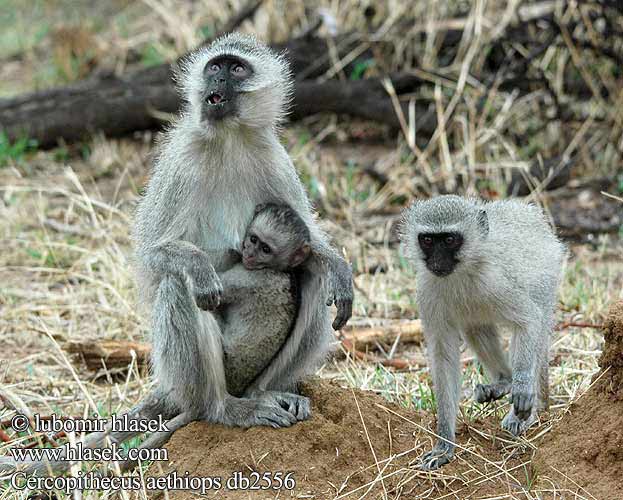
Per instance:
x=216, y=98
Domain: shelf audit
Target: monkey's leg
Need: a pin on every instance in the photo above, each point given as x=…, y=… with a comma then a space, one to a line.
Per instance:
x=524, y=355
x=183, y=355
x=543, y=364
x=443, y=348
x=485, y=342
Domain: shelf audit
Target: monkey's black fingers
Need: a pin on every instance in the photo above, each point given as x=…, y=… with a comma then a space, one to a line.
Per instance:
x=344, y=312
x=277, y=417
x=483, y=393
x=303, y=410
x=208, y=302
x=299, y=406
x=209, y=298
x=440, y=455
x=523, y=400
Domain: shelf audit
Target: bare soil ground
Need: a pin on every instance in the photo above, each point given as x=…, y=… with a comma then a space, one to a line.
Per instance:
x=358, y=444
x=585, y=447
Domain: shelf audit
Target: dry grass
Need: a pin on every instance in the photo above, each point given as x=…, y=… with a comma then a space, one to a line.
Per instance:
x=65, y=268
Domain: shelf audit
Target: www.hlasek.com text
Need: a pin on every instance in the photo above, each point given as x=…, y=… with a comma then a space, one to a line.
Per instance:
x=79, y=453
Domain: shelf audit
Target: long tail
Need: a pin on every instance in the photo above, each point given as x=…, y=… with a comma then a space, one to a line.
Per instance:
x=152, y=407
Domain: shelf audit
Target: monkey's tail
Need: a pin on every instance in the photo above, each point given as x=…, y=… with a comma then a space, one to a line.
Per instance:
x=150, y=408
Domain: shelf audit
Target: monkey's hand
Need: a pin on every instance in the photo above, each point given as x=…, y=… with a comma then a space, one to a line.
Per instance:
x=341, y=291
x=207, y=289
x=523, y=397
x=440, y=455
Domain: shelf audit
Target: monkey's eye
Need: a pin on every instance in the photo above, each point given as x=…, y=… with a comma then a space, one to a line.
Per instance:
x=213, y=68
x=452, y=241
x=253, y=239
x=426, y=241
x=239, y=70
x=265, y=248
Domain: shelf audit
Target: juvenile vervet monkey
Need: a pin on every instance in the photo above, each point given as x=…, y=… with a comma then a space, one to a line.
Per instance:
x=258, y=308
x=216, y=163
x=481, y=266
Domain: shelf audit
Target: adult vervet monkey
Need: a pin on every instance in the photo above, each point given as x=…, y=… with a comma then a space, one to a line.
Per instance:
x=215, y=164
x=481, y=266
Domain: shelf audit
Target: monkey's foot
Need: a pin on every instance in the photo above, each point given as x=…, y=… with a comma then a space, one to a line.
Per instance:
x=483, y=393
x=516, y=426
x=297, y=405
x=440, y=455
x=250, y=412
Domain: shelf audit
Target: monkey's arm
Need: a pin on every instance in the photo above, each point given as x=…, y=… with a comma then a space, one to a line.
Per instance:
x=325, y=258
x=185, y=260
x=237, y=283
x=290, y=190
x=340, y=284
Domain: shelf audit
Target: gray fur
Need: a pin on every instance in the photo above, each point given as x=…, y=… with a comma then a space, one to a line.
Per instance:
x=507, y=276
x=258, y=310
x=206, y=181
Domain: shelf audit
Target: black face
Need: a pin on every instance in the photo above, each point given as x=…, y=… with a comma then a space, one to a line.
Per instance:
x=223, y=76
x=440, y=250
x=256, y=254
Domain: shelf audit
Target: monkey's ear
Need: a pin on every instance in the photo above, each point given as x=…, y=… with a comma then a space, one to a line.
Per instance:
x=483, y=222
x=259, y=207
x=300, y=255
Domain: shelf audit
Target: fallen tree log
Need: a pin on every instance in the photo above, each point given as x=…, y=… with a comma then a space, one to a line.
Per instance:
x=365, y=338
x=141, y=100
x=120, y=353
x=110, y=353
x=117, y=107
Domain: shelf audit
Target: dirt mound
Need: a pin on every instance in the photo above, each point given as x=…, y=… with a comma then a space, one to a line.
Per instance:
x=331, y=454
x=587, y=444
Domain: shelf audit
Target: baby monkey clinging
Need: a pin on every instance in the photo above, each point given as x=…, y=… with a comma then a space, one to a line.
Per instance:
x=261, y=300
x=481, y=266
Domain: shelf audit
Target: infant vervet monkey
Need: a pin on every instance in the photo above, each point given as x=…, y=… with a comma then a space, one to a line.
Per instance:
x=260, y=297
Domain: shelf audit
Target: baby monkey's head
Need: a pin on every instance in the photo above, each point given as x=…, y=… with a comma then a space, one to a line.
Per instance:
x=277, y=238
